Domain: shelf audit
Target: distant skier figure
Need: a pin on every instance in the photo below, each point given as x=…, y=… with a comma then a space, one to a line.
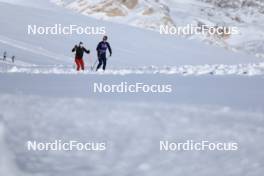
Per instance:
x=101, y=52
x=4, y=56
x=13, y=59
x=79, y=55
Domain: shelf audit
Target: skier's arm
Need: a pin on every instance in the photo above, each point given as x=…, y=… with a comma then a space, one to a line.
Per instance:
x=73, y=50
x=98, y=49
x=109, y=48
x=85, y=50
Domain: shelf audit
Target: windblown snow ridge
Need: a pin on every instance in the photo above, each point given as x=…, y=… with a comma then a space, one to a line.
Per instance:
x=252, y=69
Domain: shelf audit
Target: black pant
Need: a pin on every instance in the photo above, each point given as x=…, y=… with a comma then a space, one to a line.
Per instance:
x=102, y=60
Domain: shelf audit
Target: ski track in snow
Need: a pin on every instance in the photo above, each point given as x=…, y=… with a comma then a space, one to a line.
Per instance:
x=30, y=48
x=240, y=69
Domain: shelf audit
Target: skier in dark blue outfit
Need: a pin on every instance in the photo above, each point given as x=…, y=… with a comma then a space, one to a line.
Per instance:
x=101, y=52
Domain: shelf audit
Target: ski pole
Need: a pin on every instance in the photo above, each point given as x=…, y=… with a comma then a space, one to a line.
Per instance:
x=94, y=64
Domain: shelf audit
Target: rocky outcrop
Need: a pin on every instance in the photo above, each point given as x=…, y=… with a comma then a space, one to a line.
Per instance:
x=142, y=13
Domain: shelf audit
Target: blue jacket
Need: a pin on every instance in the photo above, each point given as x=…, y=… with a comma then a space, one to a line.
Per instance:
x=102, y=47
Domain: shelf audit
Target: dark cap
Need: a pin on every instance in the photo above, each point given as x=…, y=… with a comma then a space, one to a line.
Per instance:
x=105, y=37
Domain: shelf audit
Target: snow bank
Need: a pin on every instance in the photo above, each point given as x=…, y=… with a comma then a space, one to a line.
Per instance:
x=198, y=70
x=8, y=165
x=132, y=132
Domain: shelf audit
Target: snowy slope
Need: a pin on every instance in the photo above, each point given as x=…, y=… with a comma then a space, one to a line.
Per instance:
x=129, y=46
x=246, y=15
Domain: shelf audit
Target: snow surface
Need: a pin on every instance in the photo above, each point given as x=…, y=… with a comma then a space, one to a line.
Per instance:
x=49, y=107
x=133, y=131
x=42, y=98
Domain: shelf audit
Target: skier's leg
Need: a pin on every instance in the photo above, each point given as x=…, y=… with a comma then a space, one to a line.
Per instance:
x=99, y=64
x=77, y=64
x=104, y=63
x=82, y=64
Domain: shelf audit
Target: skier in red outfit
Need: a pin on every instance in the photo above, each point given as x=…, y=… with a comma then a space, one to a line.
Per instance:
x=79, y=50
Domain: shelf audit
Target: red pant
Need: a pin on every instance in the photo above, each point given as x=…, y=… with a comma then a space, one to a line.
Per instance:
x=80, y=64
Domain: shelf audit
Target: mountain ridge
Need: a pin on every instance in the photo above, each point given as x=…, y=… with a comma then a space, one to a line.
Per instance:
x=247, y=15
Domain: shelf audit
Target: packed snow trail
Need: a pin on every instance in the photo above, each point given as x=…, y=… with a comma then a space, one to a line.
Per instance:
x=241, y=92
